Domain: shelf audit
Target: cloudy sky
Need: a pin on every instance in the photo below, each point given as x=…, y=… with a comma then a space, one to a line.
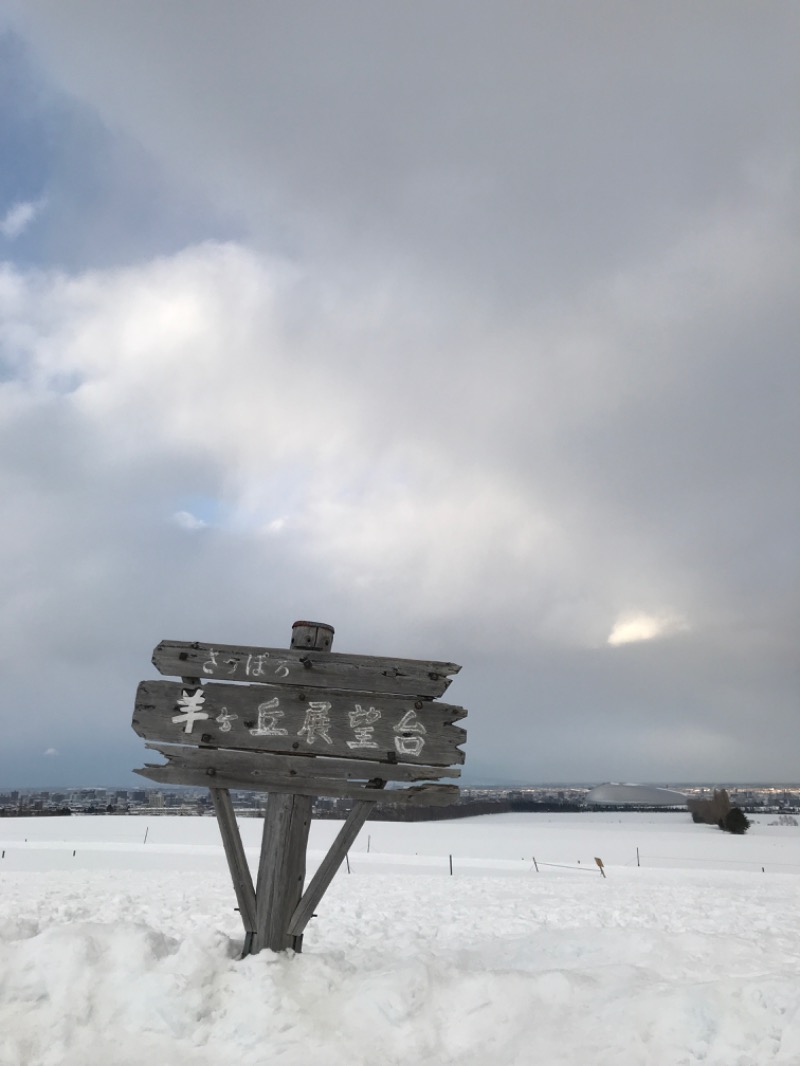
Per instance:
x=468, y=328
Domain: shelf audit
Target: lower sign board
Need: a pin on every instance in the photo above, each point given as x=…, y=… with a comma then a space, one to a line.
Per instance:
x=278, y=719
x=217, y=768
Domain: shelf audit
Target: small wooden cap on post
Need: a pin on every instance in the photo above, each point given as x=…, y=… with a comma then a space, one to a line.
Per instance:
x=314, y=635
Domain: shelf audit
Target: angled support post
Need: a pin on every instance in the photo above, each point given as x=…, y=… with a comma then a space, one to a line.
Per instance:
x=329, y=865
x=237, y=863
x=234, y=852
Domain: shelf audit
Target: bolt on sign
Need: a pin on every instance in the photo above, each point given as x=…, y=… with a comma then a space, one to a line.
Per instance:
x=296, y=724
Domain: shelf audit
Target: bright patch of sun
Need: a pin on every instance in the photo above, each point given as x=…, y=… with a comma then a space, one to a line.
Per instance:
x=630, y=628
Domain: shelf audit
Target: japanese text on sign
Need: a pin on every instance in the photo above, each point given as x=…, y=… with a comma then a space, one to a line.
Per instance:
x=257, y=665
x=409, y=732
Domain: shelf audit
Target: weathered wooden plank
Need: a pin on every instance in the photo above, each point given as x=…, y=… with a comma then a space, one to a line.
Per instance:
x=415, y=795
x=308, y=668
x=257, y=763
x=328, y=867
x=313, y=785
x=304, y=786
x=272, y=718
x=281, y=870
x=237, y=860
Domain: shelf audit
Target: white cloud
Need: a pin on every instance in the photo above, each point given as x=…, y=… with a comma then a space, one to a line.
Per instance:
x=51, y=752
x=19, y=216
x=638, y=626
x=276, y=395
x=186, y=520
x=226, y=364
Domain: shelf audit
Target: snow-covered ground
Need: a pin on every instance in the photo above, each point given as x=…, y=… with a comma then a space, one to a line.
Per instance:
x=121, y=952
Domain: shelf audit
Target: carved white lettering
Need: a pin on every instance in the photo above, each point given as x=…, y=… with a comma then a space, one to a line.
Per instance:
x=405, y=744
x=268, y=715
x=409, y=745
x=317, y=723
x=225, y=719
x=255, y=665
x=192, y=709
x=361, y=722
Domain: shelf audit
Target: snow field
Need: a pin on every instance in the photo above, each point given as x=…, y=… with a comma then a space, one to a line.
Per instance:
x=127, y=953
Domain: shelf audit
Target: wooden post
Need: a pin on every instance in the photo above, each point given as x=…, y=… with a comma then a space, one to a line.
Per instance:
x=281, y=870
x=282, y=866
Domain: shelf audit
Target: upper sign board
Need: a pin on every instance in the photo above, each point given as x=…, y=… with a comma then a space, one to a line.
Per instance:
x=305, y=667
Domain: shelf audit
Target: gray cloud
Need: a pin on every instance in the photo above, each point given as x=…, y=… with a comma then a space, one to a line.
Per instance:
x=504, y=356
x=528, y=149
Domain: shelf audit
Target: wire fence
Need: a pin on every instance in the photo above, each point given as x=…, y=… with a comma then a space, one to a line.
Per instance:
x=655, y=861
x=23, y=854
x=460, y=865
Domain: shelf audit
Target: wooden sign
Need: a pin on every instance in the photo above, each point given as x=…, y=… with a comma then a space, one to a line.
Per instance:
x=305, y=667
x=209, y=768
x=321, y=722
x=295, y=724
x=258, y=763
